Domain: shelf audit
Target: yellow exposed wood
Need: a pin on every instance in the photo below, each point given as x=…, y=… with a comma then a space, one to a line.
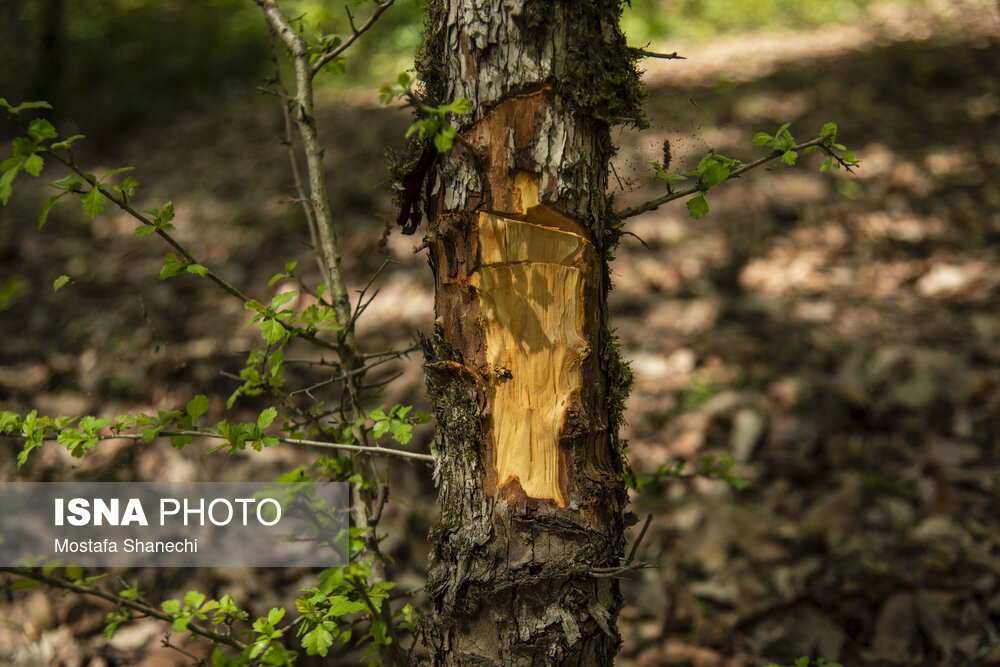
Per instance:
x=530, y=282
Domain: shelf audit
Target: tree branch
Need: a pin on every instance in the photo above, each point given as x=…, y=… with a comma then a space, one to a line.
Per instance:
x=736, y=173
x=643, y=53
x=37, y=575
x=357, y=32
x=368, y=449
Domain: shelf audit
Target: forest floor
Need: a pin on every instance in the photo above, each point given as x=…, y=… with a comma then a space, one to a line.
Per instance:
x=837, y=334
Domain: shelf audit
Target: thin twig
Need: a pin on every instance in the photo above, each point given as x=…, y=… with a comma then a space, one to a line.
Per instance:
x=368, y=449
x=330, y=55
x=37, y=575
x=736, y=173
x=643, y=53
x=188, y=257
x=642, y=534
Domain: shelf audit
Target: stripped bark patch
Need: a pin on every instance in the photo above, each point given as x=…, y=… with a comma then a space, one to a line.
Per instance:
x=530, y=281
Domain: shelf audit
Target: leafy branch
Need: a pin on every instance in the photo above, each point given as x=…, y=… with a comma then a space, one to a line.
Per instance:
x=714, y=169
x=79, y=585
x=333, y=48
x=79, y=436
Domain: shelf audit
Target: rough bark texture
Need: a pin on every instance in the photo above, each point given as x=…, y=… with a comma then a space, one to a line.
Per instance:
x=521, y=376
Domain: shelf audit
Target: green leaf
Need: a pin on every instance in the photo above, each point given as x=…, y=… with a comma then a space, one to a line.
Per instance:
x=460, y=106
x=46, y=207
x=317, y=641
x=71, y=183
x=40, y=104
x=713, y=171
x=93, y=202
x=33, y=165
x=180, y=441
x=272, y=330
x=41, y=129
x=66, y=143
x=381, y=428
x=442, y=142
x=197, y=406
x=829, y=129
x=171, y=266
x=275, y=615
x=59, y=282
x=697, y=206
x=5, y=187
x=22, y=147
x=143, y=230
x=762, y=139
x=789, y=157
x=266, y=418
x=166, y=214
x=402, y=432
x=194, y=599
x=197, y=269
x=116, y=171
x=282, y=299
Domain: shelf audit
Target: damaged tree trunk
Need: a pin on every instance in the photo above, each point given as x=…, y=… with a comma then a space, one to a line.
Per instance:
x=522, y=370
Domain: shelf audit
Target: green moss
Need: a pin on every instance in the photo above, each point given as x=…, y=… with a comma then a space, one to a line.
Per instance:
x=430, y=54
x=600, y=79
x=454, y=407
x=619, y=380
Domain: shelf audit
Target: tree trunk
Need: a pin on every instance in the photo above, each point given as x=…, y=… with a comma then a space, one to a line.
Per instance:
x=522, y=370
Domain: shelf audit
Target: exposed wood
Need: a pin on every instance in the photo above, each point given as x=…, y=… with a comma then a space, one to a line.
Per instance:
x=530, y=284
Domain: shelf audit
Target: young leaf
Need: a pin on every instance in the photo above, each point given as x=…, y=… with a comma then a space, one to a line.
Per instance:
x=41, y=129
x=171, y=266
x=196, y=407
x=282, y=299
x=318, y=640
x=115, y=171
x=33, y=165
x=43, y=216
x=272, y=331
x=789, y=157
x=59, y=282
x=697, y=206
x=266, y=418
x=93, y=202
x=5, y=181
x=66, y=143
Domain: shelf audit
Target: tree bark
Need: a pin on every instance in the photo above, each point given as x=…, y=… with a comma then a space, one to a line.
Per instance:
x=522, y=369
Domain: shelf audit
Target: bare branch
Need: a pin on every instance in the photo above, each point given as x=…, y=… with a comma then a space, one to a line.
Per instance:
x=643, y=53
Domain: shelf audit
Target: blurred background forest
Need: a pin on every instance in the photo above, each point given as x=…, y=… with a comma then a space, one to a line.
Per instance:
x=838, y=334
